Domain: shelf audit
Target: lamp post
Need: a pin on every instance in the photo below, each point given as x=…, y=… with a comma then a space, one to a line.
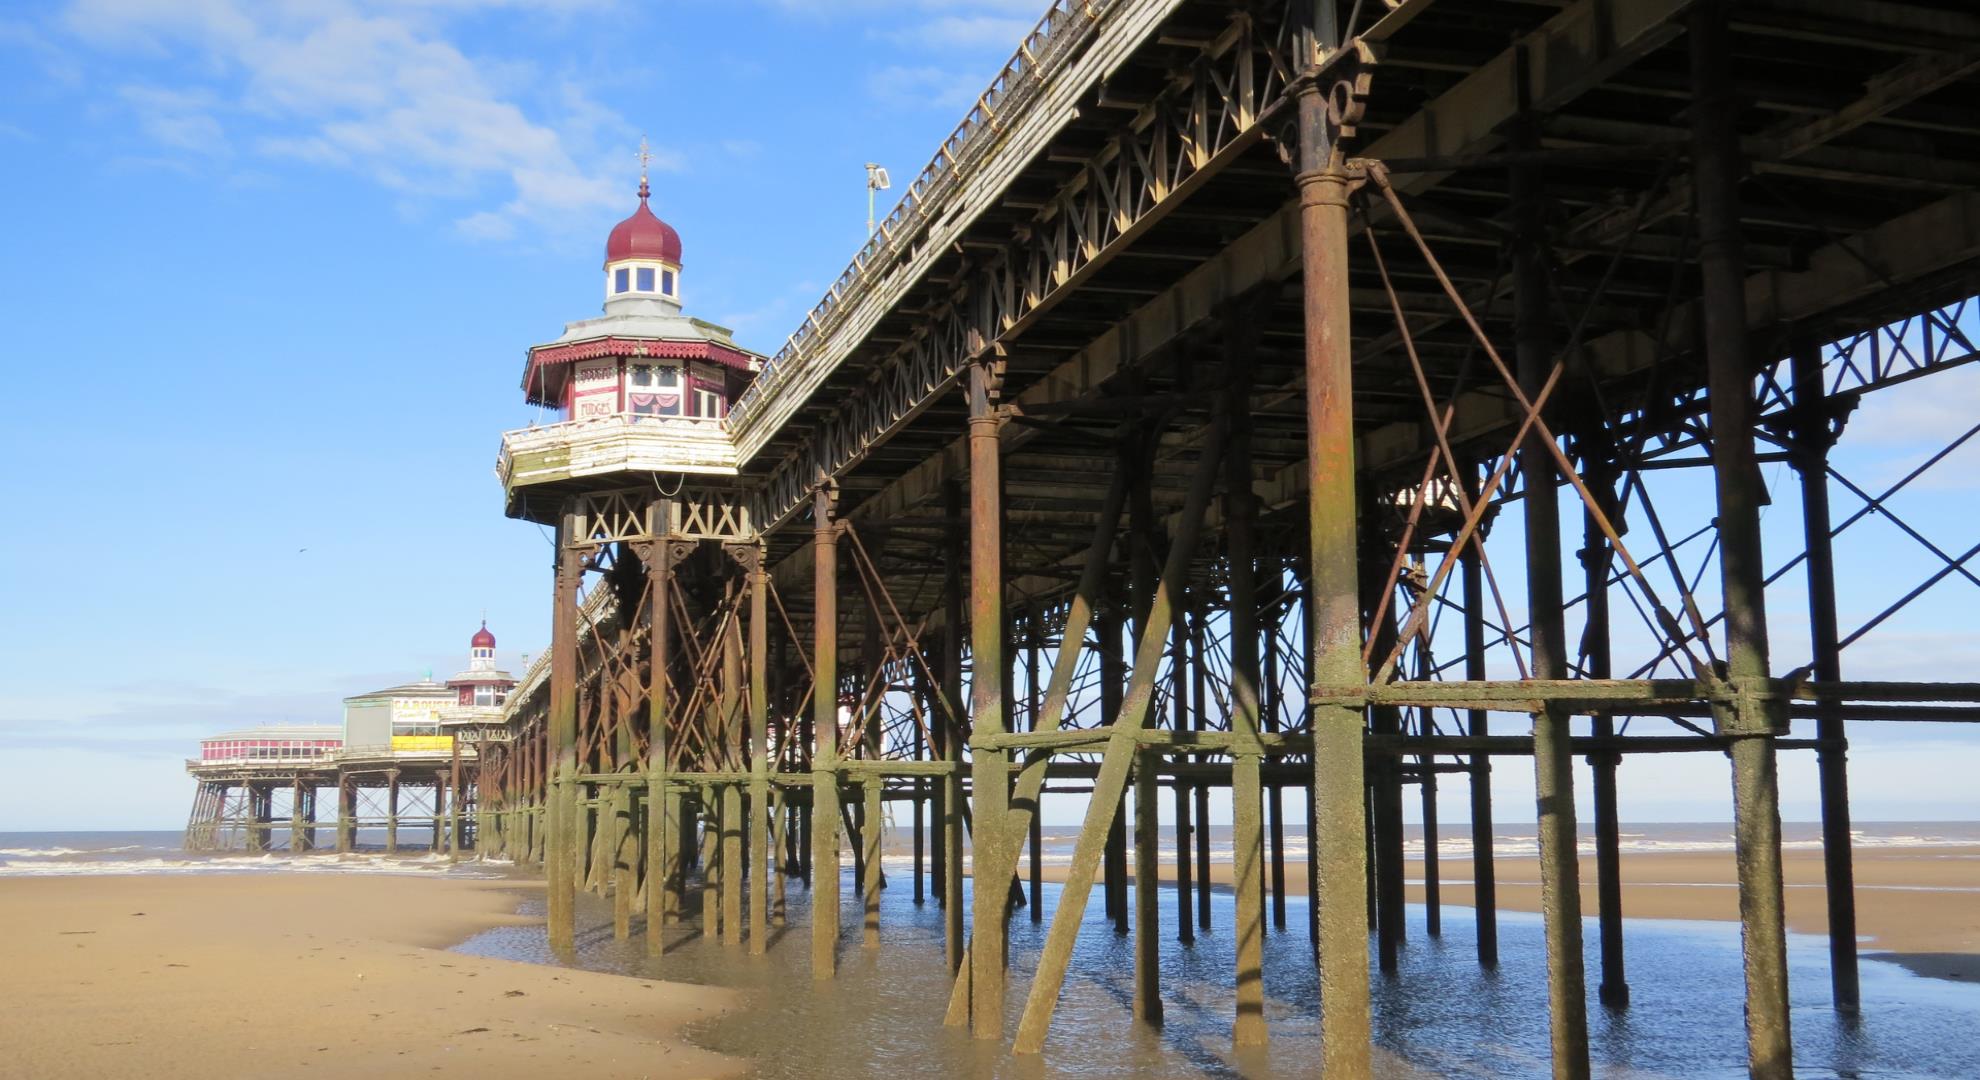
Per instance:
x=876, y=180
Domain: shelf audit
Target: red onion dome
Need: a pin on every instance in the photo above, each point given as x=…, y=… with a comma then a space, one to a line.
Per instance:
x=482, y=638
x=643, y=236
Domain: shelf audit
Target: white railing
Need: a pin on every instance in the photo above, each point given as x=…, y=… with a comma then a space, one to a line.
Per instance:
x=703, y=442
x=546, y=434
x=1042, y=54
x=283, y=759
x=329, y=757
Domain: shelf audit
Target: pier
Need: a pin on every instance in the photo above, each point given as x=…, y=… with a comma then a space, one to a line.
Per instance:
x=1157, y=445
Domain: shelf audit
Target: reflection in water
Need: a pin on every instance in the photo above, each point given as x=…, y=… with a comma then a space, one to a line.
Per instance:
x=1441, y=1015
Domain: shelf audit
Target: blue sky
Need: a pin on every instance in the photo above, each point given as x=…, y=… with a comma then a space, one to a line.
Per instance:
x=271, y=271
x=269, y=274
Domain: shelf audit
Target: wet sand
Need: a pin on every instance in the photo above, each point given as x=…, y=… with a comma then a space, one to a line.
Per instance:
x=314, y=975
x=1919, y=907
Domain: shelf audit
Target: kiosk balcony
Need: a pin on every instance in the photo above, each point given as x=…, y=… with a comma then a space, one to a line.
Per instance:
x=597, y=451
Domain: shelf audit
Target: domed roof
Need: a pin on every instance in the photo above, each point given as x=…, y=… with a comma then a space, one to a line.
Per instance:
x=643, y=236
x=482, y=638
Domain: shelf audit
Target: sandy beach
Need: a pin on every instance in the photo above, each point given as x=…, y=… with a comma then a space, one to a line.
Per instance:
x=1914, y=906
x=220, y=975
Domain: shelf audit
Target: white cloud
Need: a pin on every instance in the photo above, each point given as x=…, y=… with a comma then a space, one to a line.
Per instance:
x=376, y=87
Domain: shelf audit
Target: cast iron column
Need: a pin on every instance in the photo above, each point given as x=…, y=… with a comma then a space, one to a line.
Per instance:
x=1754, y=716
x=662, y=849
x=561, y=851
x=1483, y=873
x=989, y=768
x=1339, y=678
x=1553, y=762
x=761, y=851
x=948, y=735
x=1811, y=460
x=825, y=722
x=1598, y=471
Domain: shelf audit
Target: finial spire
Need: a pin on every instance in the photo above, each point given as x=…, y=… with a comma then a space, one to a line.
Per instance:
x=645, y=155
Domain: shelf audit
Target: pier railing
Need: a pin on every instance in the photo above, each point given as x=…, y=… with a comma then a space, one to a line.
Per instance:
x=614, y=443
x=1050, y=46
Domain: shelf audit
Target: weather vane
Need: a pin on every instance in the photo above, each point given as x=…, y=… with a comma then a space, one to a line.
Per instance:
x=645, y=155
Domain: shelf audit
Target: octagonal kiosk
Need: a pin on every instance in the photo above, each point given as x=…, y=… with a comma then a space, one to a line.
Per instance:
x=638, y=475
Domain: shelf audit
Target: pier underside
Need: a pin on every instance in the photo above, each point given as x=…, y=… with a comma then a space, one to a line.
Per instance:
x=1316, y=405
x=397, y=802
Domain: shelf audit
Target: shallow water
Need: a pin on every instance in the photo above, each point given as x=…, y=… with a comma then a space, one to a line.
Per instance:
x=1441, y=1015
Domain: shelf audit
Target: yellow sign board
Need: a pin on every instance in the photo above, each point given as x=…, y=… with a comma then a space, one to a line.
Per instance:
x=422, y=742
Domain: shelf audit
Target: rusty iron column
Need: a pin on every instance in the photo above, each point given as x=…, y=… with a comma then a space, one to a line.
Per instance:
x=1113, y=677
x=1754, y=715
x=762, y=852
x=1812, y=439
x=1553, y=762
x=1270, y=703
x=1034, y=703
x=1179, y=718
x=561, y=850
x=1199, y=652
x=454, y=822
x=730, y=829
x=825, y=725
x=1484, y=877
x=297, y=843
x=391, y=811
x=919, y=785
x=784, y=815
x=1598, y=473
x=261, y=817
x=1147, y=1004
x=872, y=809
x=346, y=812
x=1433, y=899
x=1137, y=462
x=712, y=796
x=989, y=767
x=735, y=700
x=949, y=737
x=624, y=855
x=1339, y=677
x=1385, y=780
x=662, y=823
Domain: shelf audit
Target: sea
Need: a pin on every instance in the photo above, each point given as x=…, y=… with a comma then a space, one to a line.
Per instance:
x=1440, y=1014
x=44, y=854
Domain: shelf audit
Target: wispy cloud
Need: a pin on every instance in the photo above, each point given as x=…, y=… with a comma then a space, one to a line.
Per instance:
x=951, y=46
x=773, y=315
x=377, y=87
x=1898, y=429
x=54, y=61
x=904, y=87
x=178, y=119
x=964, y=31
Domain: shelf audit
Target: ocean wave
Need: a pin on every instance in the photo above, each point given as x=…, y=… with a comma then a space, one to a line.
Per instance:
x=271, y=863
x=61, y=852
